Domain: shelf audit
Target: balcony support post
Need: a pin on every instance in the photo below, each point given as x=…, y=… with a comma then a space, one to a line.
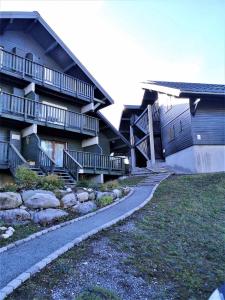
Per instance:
x=151, y=135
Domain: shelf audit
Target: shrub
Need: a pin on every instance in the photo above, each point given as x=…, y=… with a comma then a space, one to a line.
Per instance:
x=51, y=182
x=26, y=178
x=11, y=187
x=110, y=185
x=83, y=183
x=104, y=201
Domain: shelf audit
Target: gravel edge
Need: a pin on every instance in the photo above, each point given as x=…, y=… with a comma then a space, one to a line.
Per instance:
x=15, y=283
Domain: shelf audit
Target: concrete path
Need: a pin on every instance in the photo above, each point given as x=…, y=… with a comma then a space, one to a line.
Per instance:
x=19, y=259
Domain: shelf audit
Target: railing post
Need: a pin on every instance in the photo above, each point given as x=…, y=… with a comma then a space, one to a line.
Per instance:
x=81, y=123
x=25, y=108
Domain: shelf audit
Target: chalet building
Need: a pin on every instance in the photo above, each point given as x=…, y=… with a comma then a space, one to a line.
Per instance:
x=49, y=106
x=178, y=124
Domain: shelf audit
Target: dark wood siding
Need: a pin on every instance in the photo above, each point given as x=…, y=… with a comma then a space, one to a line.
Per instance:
x=178, y=119
x=209, y=122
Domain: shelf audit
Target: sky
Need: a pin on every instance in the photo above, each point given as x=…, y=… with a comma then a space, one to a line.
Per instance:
x=125, y=42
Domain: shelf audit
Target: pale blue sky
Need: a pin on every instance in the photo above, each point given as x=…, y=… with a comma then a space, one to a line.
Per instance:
x=125, y=42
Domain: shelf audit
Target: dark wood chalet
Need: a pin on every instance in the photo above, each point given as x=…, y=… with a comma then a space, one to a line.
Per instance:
x=49, y=106
x=178, y=124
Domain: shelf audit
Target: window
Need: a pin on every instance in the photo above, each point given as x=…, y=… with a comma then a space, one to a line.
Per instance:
x=181, y=126
x=1, y=55
x=48, y=75
x=169, y=102
x=171, y=133
x=53, y=113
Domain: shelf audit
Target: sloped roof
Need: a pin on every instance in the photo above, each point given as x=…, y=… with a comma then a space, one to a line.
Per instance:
x=32, y=20
x=186, y=87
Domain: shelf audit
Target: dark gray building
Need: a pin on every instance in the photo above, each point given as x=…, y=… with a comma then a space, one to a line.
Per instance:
x=180, y=123
x=49, y=105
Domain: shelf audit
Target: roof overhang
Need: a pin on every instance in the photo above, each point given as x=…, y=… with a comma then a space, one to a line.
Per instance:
x=174, y=91
x=57, y=41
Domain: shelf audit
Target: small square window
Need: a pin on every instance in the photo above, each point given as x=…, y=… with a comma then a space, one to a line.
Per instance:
x=171, y=133
x=181, y=126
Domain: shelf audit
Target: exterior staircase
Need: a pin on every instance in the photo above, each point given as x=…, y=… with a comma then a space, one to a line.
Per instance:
x=153, y=179
x=64, y=175
x=37, y=170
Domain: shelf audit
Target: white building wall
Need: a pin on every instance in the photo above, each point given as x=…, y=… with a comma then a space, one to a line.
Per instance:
x=198, y=159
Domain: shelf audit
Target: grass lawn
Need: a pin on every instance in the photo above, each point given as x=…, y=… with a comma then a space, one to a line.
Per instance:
x=178, y=240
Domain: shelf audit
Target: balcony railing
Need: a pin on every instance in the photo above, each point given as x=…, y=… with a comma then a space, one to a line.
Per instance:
x=96, y=161
x=30, y=110
x=13, y=63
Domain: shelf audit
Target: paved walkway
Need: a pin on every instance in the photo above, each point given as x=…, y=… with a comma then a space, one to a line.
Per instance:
x=17, y=260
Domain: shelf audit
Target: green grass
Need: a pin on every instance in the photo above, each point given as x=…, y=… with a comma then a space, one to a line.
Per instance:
x=181, y=235
x=131, y=181
x=97, y=293
x=178, y=240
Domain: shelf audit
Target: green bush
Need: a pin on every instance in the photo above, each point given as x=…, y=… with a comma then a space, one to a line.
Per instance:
x=26, y=178
x=83, y=183
x=110, y=185
x=51, y=183
x=10, y=187
x=104, y=201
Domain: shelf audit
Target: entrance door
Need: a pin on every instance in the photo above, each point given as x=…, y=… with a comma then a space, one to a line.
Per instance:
x=54, y=150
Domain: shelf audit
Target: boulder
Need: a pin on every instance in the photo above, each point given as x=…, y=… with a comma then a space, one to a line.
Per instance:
x=103, y=194
x=9, y=200
x=126, y=190
x=48, y=215
x=117, y=193
x=84, y=208
x=83, y=196
x=69, y=200
x=42, y=200
x=30, y=193
x=91, y=196
x=15, y=216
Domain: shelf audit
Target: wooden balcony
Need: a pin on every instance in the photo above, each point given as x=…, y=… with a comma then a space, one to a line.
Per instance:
x=73, y=161
x=98, y=163
x=24, y=109
x=21, y=67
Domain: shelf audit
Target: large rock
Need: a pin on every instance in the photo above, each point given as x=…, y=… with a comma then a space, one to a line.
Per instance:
x=91, y=196
x=117, y=193
x=103, y=194
x=42, y=200
x=10, y=200
x=48, y=215
x=15, y=216
x=126, y=190
x=84, y=208
x=69, y=200
x=83, y=196
x=30, y=193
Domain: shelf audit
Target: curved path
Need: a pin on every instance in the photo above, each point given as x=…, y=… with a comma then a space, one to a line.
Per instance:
x=19, y=260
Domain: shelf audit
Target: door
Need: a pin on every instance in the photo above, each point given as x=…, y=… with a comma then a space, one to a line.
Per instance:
x=54, y=150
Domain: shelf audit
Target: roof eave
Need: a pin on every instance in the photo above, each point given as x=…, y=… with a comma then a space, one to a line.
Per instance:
x=36, y=15
x=161, y=89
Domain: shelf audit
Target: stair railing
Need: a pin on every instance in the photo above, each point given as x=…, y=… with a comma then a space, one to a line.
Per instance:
x=15, y=159
x=71, y=165
x=46, y=163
